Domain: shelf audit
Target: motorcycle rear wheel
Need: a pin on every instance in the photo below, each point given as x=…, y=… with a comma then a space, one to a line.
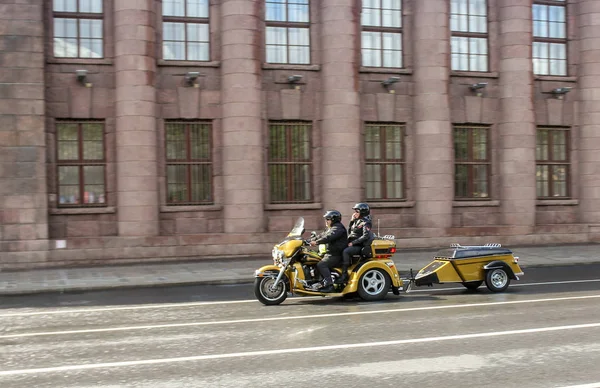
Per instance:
x=266, y=294
x=374, y=284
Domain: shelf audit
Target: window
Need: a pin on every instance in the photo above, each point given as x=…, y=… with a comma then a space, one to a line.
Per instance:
x=549, y=38
x=290, y=163
x=81, y=164
x=189, y=163
x=78, y=29
x=471, y=162
x=381, y=33
x=288, y=31
x=468, y=23
x=384, y=156
x=552, y=162
x=186, y=35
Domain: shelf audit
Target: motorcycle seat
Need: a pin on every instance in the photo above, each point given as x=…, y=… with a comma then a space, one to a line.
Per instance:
x=356, y=258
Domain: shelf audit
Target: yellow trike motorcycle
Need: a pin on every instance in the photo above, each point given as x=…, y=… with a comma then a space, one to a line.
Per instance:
x=371, y=275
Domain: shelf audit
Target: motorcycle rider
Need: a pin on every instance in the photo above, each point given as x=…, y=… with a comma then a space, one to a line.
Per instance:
x=336, y=238
x=359, y=236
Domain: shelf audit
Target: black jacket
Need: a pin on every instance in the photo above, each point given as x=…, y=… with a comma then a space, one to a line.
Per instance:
x=335, y=238
x=360, y=231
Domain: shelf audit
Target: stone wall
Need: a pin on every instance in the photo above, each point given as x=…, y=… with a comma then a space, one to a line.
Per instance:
x=23, y=203
x=133, y=91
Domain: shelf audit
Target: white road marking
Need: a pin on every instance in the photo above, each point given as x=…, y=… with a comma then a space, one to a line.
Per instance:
x=512, y=285
x=196, y=304
x=552, y=283
x=143, y=307
x=294, y=350
x=591, y=385
x=296, y=317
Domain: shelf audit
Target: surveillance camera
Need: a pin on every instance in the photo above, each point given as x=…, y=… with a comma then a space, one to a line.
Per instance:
x=479, y=85
x=561, y=90
x=81, y=74
x=294, y=78
x=192, y=75
x=391, y=80
x=82, y=78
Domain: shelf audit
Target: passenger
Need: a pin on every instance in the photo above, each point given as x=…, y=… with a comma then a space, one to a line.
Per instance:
x=335, y=238
x=359, y=236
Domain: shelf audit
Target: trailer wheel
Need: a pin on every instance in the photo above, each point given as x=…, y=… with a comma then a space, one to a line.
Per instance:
x=497, y=280
x=472, y=285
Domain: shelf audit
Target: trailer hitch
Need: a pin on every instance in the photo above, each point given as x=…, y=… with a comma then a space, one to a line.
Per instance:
x=410, y=280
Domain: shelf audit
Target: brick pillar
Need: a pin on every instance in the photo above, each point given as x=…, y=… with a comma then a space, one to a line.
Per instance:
x=340, y=118
x=434, y=173
x=23, y=203
x=516, y=126
x=135, y=69
x=589, y=94
x=243, y=165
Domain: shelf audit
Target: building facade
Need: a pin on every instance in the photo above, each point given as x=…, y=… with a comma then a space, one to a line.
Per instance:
x=148, y=130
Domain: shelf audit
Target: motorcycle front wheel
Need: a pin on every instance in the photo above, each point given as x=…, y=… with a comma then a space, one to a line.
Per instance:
x=267, y=294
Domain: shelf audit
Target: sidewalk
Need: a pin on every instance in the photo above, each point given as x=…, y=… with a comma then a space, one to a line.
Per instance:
x=233, y=271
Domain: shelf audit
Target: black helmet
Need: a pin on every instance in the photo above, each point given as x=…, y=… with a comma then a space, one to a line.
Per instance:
x=333, y=215
x=363, y=208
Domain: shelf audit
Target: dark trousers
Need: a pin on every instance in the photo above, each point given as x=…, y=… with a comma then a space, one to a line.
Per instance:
x=324, y=265
x=348, y=253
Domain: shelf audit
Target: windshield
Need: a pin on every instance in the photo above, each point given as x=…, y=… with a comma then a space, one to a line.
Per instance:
x=298, y=228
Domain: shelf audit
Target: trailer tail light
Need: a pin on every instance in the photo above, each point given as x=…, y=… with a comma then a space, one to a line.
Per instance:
x=393, y=250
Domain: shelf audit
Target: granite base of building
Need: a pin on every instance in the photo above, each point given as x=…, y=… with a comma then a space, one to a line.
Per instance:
x=114, y=250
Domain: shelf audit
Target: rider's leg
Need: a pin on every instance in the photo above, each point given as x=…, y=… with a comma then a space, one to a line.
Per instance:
x=347, y=258
x=324, y=268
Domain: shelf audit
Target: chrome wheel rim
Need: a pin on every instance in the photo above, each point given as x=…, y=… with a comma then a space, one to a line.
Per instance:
x=373, y=282
x=499, y=278
x=269, y=292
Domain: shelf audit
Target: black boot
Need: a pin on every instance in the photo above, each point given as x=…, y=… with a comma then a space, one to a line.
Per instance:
x=344, y=278
x=327, y=288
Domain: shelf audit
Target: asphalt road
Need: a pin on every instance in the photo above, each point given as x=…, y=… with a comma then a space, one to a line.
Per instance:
x=543, y=332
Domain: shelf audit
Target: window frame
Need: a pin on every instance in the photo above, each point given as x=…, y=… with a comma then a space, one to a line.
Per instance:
x=550, y=161
x=468, y=35
x=538, y=39
x=188, y=162
x=381, y=30
x=384, y=161
x=289, y=161
x=287, y=25
x=185, y=20
x=104, y=16
x=80, y=163
x=470, y=162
